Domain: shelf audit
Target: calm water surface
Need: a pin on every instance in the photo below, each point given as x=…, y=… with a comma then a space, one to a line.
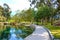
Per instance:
x=14, y=33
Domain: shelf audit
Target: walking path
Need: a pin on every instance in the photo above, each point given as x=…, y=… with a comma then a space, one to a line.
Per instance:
x=40, y=33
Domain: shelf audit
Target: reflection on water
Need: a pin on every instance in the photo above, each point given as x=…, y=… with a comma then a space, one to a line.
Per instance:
x=13, y=35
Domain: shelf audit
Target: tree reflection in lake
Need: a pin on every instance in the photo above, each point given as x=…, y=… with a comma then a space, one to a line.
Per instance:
x=4, y=35
x=15, y=34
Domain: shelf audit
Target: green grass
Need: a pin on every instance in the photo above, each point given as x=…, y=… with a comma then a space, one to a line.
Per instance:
x=55, y=30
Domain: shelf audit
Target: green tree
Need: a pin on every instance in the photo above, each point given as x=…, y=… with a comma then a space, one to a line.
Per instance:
x=1, y=10
x=29, y=14
x=58, y=9
x=39, y=3
x=44, y=12
x=7, y=11
x=25, y=15
x=2, y=18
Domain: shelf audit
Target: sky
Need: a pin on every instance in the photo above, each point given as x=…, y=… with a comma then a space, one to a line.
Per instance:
x=16, y=5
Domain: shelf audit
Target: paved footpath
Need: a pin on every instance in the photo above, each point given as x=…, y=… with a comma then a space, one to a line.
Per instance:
x=40, y=33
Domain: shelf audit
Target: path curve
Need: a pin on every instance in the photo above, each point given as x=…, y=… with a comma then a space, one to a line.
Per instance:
x=40, y=33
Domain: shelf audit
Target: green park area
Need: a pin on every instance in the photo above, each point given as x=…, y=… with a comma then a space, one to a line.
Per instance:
x=55, y=30
x=43, y=13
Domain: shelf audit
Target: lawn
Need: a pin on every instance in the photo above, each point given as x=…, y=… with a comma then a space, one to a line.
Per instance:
x=55, y=30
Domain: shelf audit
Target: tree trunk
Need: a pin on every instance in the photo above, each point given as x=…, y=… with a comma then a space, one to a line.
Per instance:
x=51, y=20
x=45, y=20
x=42, y=21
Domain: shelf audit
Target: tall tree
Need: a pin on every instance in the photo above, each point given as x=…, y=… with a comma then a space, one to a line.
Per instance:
x=25, y=15
x=38, y=3
x=7, y=11
x=58, y=9
x=44, y=12
x=1, y=10
x=49, y=3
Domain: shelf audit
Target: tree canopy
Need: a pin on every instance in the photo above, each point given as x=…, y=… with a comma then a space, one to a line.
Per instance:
x=5, y=12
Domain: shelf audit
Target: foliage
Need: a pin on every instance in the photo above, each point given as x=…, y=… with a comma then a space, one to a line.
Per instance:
x=38, y=3
x=26, y=30
x=5, y=33
x=24, y=15
x=5, y=12
x=43, y=12
x=1, y=10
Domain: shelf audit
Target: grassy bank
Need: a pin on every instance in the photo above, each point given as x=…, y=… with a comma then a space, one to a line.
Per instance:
x=55, y=30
